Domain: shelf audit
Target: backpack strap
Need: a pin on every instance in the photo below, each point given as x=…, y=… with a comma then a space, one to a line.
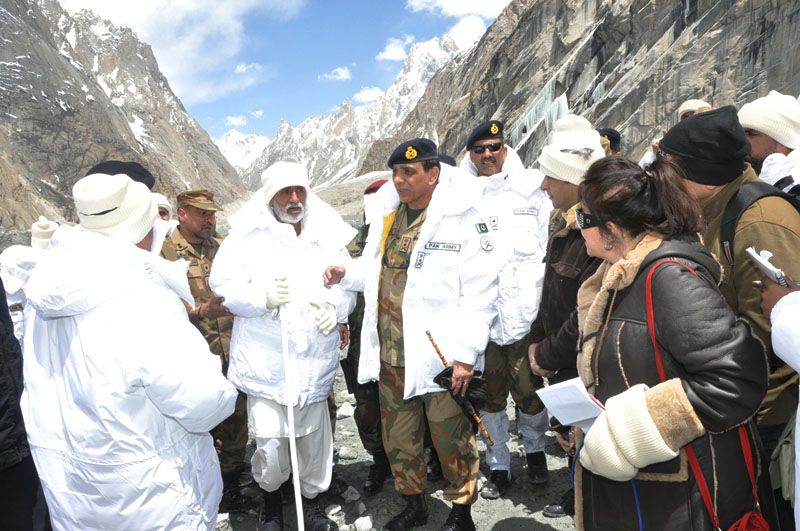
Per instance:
x=745, y=196
x=784, y=182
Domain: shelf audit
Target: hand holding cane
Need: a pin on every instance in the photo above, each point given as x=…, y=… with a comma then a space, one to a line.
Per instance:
x=475, y=415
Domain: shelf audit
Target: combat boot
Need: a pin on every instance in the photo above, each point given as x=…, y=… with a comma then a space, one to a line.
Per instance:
x=379, y=472
x=460, y=519
x=233, y=501
x=271, y=518
x=314, y=517
x=537, y=468
x=415, y=514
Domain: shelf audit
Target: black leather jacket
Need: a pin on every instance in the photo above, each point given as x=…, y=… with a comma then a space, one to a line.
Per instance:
x=723, y=371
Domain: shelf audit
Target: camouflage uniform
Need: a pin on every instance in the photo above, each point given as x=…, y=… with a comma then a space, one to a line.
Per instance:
x=368, y=411
x=403, y=420
x=230, y=436
x=507, y=369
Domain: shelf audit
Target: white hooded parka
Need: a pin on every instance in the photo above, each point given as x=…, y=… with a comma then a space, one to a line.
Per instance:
x=120, y=390
x=258, y=250
x=451, y=288
x=517, y=212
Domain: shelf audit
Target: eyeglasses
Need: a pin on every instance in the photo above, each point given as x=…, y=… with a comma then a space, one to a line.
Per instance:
x=494, y=148
x=584, y=220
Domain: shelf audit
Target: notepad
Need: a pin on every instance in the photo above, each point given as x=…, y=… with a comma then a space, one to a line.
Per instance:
x=571, y=404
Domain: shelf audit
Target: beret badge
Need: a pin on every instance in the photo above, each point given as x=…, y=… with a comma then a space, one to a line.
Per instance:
x=494, y=129
x=411, y=153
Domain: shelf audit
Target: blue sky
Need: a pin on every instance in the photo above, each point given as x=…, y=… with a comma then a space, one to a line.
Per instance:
x=248, y=63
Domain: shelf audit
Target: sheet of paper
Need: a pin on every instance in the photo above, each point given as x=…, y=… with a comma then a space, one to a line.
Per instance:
x=571, y=404
x=770, y=271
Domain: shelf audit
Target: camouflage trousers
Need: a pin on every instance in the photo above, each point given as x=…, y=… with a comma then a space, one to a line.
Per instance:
x=368, y=421
x=403, y=424
x=230, y=437
x=507, y=369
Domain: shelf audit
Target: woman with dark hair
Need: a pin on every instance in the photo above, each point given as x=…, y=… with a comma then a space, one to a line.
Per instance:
x=663, y=405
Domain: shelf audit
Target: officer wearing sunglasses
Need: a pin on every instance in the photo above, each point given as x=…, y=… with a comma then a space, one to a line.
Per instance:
x=486, y=149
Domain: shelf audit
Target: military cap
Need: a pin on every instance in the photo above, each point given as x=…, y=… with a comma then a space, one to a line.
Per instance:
x=491, y=129
x=415, y=150
x=612, y=135
x=447, y=159
x=134, y=170
x=202, y=199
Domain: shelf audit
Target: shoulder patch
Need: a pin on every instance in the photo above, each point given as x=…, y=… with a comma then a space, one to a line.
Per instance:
x=482, y=228
x=486, y=243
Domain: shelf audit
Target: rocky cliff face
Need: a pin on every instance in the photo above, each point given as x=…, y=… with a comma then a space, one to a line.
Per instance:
x=76, y=90
x=626, y=64
x=333, y=147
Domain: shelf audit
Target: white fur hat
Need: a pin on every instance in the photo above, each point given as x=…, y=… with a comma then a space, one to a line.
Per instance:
x=691, y=105
x=41, y=231
x=115, y=205
x=573, y=148
x=775, y=115
x=281, y=175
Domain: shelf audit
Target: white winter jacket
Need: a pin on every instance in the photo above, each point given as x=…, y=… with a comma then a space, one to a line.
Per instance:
x=120, y=390
x=259, y=249
x=16, y=264
x=517, y=213
x=786, y=343
x=451, y=288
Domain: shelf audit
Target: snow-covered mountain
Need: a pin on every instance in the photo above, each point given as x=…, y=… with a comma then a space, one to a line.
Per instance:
x=240, y=149
x=76, y=90
x=333, y=147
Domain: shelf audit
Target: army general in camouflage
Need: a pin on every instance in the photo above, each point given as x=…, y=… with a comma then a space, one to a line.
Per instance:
x=426, y=265
x=197, y=241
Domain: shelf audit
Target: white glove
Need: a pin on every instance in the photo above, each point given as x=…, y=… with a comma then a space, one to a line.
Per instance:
x=326, y=316
x=277, y=293
x=624, y=438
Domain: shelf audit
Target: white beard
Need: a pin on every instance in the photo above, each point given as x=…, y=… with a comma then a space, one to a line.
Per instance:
x=282, y=213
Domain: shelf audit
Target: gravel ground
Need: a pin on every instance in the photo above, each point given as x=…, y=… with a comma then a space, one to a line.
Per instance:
x=520, y=509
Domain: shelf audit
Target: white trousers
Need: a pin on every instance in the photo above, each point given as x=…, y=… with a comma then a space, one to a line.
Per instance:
x=533, y=429
x=271, y=464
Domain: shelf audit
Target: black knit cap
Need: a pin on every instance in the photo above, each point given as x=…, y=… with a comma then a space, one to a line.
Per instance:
x=612, y=135
x=710, y=146
x=491, y=129
x=411, y=151
x=134, y=170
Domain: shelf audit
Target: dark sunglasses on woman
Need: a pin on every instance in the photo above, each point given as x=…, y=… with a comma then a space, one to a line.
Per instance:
x=584, y=220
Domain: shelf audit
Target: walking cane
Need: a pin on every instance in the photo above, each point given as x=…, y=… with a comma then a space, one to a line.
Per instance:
x=298, y=502
x=474, y=413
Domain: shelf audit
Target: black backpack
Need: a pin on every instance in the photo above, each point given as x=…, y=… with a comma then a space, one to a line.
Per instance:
x=748, y=194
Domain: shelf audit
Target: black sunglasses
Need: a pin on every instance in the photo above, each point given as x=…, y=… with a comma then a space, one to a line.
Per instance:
x=494, y=148
x=584, y=220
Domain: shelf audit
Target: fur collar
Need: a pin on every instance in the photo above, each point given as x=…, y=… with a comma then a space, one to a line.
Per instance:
x=593, y=298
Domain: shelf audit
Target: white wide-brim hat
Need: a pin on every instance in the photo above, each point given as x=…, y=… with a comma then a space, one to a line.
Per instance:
x=115, y=205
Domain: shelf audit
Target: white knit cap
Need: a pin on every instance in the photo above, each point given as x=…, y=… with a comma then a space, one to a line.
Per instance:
x=282, y=175
x=573, y=148
x=115, y=205
x=775, y=115
x=41, y=231
x=163, y=201
x=692, y=105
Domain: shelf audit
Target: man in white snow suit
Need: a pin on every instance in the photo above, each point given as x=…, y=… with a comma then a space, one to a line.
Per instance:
x=285, y=346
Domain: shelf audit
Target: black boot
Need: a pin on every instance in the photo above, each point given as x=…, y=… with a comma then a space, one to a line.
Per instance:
x=460, y=519
x=537, y=468
x=287, y=491
x=338, y=485
x=233, y=501
x=314, y=517
x=497, y=485
x=566, y=507
x=271, y=518
x=415, y=514
x=379, y=472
